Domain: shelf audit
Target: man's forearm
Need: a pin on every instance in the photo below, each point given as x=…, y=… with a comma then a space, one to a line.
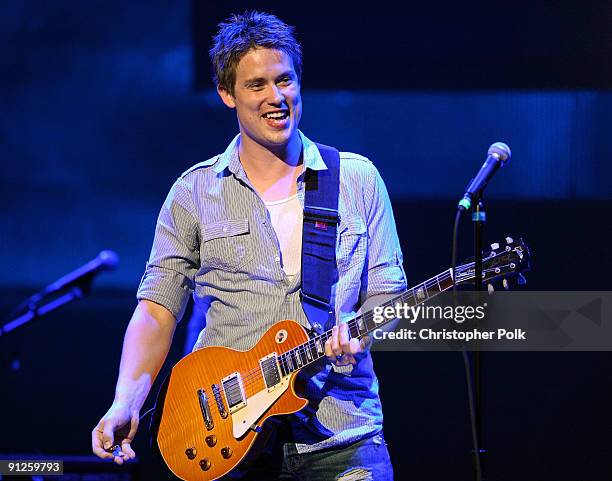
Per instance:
x=145, y=347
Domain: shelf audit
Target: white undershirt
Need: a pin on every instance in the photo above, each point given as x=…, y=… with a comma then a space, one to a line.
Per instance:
x=286, y=216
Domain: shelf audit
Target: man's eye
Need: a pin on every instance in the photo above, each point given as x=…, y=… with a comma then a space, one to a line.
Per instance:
x=285, y=81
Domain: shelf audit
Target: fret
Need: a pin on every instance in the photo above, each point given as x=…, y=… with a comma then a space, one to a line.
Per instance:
x=308, y=349
x=447, y=283
x=302, y=355
x=362, y=327
x=319, y=345
x=290, y=360
x=283, y=365
x=324, y=337
x=368, y=319
x=353, y=329
x=433, y=289
x=411, y=298
x=298, y=359
x=421, y=295
x=313, y=348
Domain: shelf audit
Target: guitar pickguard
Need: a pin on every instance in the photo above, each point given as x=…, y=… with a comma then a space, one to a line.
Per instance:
x=246, y=417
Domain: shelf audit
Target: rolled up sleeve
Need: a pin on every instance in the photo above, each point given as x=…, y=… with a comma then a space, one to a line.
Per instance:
x=385, y=271
x=175, y=256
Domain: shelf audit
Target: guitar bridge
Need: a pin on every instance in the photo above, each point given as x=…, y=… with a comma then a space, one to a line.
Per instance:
x=219, y=399
x=205, y=408
x=234, y=392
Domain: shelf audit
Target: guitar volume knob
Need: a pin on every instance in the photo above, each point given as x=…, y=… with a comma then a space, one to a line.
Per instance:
x=226, y=452
x=205, y=464
x=191, y=453
x=211, y=440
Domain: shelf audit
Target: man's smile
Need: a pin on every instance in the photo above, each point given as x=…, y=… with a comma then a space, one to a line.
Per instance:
x=277, y=119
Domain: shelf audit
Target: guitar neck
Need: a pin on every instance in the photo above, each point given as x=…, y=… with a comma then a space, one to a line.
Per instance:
x=314, y=349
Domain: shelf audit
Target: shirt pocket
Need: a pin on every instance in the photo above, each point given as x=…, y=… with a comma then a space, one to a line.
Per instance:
x=352, y=243
x=226, y=244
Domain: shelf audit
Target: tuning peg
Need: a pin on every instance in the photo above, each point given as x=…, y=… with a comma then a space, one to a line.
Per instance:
x=491, y=289
x=494, y=246
x=509, y=240
x=521, y=280
x=505, y=284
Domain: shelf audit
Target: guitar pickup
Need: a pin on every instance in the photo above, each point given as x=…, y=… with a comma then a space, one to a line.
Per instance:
x=270, y=371
x=234, y=392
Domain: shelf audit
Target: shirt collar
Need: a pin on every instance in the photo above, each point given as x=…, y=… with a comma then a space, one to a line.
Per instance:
x=312, y=156
x=230, y=159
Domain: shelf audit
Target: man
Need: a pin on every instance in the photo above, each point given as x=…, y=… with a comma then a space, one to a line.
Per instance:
x=230, y=232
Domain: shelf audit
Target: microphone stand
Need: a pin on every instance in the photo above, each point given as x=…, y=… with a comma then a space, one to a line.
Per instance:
x=70, y=287
x=497, y=155
x=478, y=218
x=35, y=310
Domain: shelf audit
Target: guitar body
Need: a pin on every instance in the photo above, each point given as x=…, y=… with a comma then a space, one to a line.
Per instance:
x=200, y=436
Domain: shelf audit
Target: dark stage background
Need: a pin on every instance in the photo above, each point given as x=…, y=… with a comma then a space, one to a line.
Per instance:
x=104, y=104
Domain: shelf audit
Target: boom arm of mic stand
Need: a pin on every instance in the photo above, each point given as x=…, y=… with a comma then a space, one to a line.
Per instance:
x=34, y=312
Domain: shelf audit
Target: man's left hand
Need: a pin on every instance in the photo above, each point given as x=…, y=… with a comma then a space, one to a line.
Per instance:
x=343, y=350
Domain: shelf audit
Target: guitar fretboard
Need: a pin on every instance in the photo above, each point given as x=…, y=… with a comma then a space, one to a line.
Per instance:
x=314, y=349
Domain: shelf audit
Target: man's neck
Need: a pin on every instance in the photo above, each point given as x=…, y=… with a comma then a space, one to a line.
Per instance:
x=273, y=173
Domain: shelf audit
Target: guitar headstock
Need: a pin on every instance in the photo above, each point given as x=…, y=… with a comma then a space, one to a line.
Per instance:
x=505, y=259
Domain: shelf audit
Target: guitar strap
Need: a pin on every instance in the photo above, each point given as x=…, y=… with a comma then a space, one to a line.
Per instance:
x=321, y=219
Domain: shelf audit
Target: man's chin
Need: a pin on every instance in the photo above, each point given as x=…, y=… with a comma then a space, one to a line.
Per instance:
x=279, y=139
x=274, y=141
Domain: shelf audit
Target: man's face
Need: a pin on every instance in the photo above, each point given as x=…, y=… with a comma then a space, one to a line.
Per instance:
x=266, y=98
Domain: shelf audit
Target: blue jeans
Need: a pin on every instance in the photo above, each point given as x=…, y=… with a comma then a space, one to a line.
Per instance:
x=365, y=460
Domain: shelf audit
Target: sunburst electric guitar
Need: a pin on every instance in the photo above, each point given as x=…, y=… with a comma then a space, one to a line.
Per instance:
x=216, y=399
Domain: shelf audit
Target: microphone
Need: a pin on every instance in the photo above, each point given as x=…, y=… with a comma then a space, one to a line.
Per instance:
x=107, y=260
x=66, y=289
x=498, y=155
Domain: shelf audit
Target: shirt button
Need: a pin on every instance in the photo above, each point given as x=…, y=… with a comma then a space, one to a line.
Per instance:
x=277, y=259
x=225, y=228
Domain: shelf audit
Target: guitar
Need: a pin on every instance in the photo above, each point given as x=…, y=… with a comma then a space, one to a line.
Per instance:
x=216, y=399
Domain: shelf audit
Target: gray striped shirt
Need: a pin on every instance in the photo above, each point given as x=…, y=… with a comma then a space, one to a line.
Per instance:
x=214, y=239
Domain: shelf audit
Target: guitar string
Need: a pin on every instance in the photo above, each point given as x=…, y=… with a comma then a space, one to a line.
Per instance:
x=254, y=375
x=256, y=372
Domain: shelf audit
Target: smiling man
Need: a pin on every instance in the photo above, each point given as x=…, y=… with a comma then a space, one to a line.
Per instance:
x=230, y=234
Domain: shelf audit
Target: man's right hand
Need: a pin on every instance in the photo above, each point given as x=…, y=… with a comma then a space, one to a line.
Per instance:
x=116, y=428
x=145, y=347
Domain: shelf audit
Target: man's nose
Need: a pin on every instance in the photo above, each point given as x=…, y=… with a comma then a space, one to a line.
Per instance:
x=276, y=95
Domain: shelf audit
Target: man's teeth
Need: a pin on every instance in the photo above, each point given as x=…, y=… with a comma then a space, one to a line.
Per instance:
x=276, y=115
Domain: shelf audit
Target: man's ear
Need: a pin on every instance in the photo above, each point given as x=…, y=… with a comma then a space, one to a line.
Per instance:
x=226, y=97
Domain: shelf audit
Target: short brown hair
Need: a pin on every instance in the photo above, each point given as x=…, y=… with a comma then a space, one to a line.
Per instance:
x=247, y=31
